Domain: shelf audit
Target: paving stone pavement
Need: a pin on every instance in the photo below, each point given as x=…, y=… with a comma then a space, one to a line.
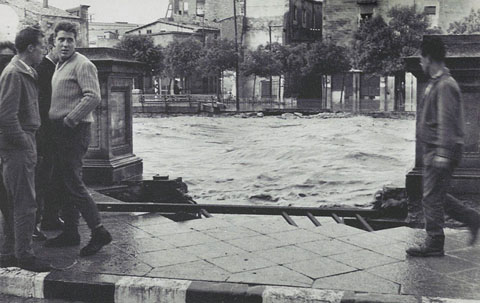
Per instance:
x=265, y=250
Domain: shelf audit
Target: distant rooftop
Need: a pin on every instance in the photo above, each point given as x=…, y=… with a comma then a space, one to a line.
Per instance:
x=37, y=7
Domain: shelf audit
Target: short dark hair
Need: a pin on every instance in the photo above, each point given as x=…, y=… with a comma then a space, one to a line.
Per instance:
x=66, y=27
x=27, y=36
x=435, y=48
x=8, y=45
x=51, y=39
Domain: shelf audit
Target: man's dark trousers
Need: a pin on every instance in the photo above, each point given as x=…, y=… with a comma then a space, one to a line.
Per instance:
x=436, y=182
x=17, y=202
x=71, y=145
x=46, y=182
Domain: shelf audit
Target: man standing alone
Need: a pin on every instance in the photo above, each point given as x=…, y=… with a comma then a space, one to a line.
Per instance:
x=75, y=94
x=441, y=132
x=19, y=119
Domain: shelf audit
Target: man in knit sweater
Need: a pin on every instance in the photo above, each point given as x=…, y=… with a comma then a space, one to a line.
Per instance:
x=75, y=94
x=19, y=119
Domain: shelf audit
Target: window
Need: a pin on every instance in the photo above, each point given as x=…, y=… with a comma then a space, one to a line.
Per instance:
x=430, y=10
x=431, y=15
x=149, y=31
x=295, y=12
x=200, y=8
x=185, y=8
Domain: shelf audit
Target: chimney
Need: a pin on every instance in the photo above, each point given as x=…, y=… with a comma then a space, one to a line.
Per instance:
x=45, y=3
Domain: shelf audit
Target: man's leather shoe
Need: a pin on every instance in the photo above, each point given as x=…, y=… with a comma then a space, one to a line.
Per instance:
x=433, y=247
x=63, y=240
x=8, y=261
x=34, y=264
x=100, y=238
x=52, y=224
x=38, y=235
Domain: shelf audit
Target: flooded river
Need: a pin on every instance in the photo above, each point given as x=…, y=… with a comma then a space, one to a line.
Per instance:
x=306, y=161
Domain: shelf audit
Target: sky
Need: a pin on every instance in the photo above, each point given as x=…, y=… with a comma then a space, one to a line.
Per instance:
x=132, y=11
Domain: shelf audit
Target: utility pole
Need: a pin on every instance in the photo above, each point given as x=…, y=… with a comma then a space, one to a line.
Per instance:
x=237, y=69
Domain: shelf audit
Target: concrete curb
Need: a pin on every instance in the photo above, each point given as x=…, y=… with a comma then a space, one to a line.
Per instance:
x=105, y=288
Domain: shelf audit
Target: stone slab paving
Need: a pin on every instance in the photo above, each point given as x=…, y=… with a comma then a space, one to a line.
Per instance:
x=265, y=250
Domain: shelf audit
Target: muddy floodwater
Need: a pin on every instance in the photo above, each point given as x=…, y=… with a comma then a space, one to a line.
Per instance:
x=301, y=161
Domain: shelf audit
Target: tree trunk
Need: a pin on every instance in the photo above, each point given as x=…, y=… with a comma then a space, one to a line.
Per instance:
x=279, y=88
x=170, y=86
x=219, y=86
x=341, y=93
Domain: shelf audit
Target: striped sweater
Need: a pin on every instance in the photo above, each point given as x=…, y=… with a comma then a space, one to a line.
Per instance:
x=75, y=90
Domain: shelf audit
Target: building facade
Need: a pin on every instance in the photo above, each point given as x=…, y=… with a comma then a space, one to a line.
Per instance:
x=108, y=34
x=361, y=92
x=19, y=13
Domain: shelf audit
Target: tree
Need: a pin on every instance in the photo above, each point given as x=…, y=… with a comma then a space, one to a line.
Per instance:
x=468, y=25
x=217, y=56
x=142, y=49
x=380, y=47
x=260, y=62
x=182, y=58
x=325, y=58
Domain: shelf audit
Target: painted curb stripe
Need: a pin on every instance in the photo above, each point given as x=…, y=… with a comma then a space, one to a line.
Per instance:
x=277, y=294
x=80, y=286
x=445, y=300
x=18, y=282
x=208, y=292
x=112, y=288
x=151, y=290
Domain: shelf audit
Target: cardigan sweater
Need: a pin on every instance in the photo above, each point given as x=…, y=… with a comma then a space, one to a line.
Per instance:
x=75, y=90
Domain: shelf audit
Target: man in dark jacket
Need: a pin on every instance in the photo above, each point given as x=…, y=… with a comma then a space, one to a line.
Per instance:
x=47, y=212
x=19, y=119
x=441, y=132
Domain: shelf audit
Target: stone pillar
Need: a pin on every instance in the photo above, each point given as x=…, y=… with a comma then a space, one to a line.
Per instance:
x=390, y=94
x=110, y=157
x=328, y=91
x=383, y=95
x=410, y=92
x=463, y=60
x=356, y=91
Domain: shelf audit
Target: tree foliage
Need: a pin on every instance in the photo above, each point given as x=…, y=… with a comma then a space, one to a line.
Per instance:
x=182, y=57
x=468, y=25
x=217, y=56
x=325, y=58
x=380, y=47
x=142, y=49
x=260, y=62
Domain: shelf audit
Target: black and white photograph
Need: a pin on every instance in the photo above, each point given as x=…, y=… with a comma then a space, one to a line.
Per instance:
x=239, y=151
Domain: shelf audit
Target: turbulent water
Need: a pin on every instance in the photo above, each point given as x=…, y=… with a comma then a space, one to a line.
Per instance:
x=306, y=161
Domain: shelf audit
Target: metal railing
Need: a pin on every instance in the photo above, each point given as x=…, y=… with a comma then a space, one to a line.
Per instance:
x=207, y=209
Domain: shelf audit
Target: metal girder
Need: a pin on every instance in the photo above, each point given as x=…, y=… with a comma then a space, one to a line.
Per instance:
x=172, y=208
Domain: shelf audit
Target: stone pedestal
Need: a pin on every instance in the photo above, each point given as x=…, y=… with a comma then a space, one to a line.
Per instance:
x=463, y=60
x=110, y=157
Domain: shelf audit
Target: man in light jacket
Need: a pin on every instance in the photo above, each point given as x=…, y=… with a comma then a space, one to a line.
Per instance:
x=19, y=120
